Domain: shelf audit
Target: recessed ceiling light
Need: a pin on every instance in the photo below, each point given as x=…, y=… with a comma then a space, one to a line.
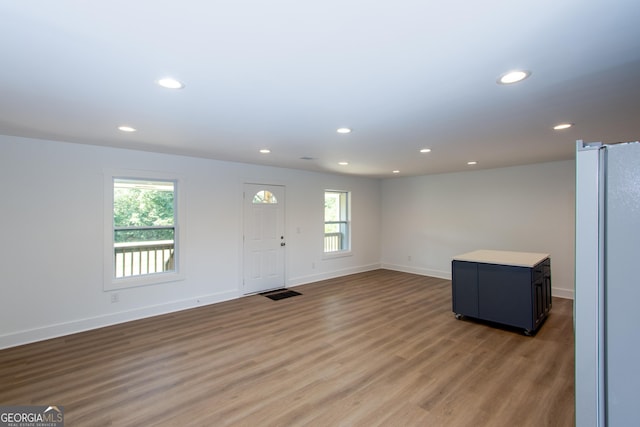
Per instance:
x=265, y=151
x=473, y=162
x=343, y=130
x=396, y=171
x=562, y=126
x=170, y=83
x=343, y=163
x=513, y=77
x=425, y=150
x=126, y=129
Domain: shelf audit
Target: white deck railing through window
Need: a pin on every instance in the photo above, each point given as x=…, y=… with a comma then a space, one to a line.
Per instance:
x=137, y=258
x=332, y=242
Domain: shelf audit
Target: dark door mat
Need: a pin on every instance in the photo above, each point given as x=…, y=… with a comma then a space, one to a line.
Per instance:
x=280, y=294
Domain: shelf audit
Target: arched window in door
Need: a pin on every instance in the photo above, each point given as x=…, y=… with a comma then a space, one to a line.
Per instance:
x=264, y=196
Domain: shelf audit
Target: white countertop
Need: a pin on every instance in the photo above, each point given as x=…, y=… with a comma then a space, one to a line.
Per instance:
x=519, y=259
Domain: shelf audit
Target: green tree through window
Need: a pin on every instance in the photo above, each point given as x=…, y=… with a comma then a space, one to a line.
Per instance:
x=143, y=210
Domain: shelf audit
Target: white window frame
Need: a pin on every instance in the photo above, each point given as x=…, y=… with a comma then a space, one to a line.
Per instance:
x=110, y=282
x=347, y=221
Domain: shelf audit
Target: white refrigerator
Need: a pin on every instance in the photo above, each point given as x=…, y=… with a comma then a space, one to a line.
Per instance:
x=607, y=284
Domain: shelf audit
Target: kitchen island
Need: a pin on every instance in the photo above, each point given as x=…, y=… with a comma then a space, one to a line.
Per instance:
x=511, y=288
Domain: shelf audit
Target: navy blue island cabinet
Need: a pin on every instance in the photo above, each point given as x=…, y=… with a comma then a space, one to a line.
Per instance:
x=511, y=288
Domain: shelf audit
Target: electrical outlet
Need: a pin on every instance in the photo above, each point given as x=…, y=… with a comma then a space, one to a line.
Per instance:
x=313, y=265
x=115, y=297
x=409, y=258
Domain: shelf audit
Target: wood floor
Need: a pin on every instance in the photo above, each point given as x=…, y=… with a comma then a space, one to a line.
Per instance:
x=374, y=349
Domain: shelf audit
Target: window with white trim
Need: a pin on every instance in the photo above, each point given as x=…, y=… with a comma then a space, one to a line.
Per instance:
x=337, y=221
x=143, y=245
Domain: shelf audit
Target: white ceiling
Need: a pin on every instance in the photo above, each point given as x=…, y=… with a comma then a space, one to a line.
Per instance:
x=285, y=74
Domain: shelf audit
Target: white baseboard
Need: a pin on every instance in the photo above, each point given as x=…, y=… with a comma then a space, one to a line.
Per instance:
x=67, y=328
x=556, y=292
x=417, y=270
x=15, y=339
x=562, y=293
x=304, y=280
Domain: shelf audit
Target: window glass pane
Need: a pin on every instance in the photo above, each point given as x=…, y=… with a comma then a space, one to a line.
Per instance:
x=264, y=196
x=336, y=217
x=331, y=206
x=143, y=235
x=144, y=227
x=139, y=203
x=331, y=228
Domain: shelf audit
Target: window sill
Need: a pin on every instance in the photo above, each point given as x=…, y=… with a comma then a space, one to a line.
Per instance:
x=338, y=254
x=146, y=280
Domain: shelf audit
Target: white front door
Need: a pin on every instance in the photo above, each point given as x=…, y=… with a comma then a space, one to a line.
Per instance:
x=264, y=240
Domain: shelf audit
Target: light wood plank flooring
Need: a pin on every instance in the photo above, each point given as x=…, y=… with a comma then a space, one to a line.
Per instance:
x=380, y=348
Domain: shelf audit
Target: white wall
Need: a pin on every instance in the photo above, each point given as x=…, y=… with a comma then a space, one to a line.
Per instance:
x=427, y=220
x=51, y=256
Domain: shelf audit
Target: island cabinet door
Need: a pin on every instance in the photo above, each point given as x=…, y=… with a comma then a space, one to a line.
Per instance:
x=547, y=284
x=505, y=295
x=539, y=301
x=465, y=288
